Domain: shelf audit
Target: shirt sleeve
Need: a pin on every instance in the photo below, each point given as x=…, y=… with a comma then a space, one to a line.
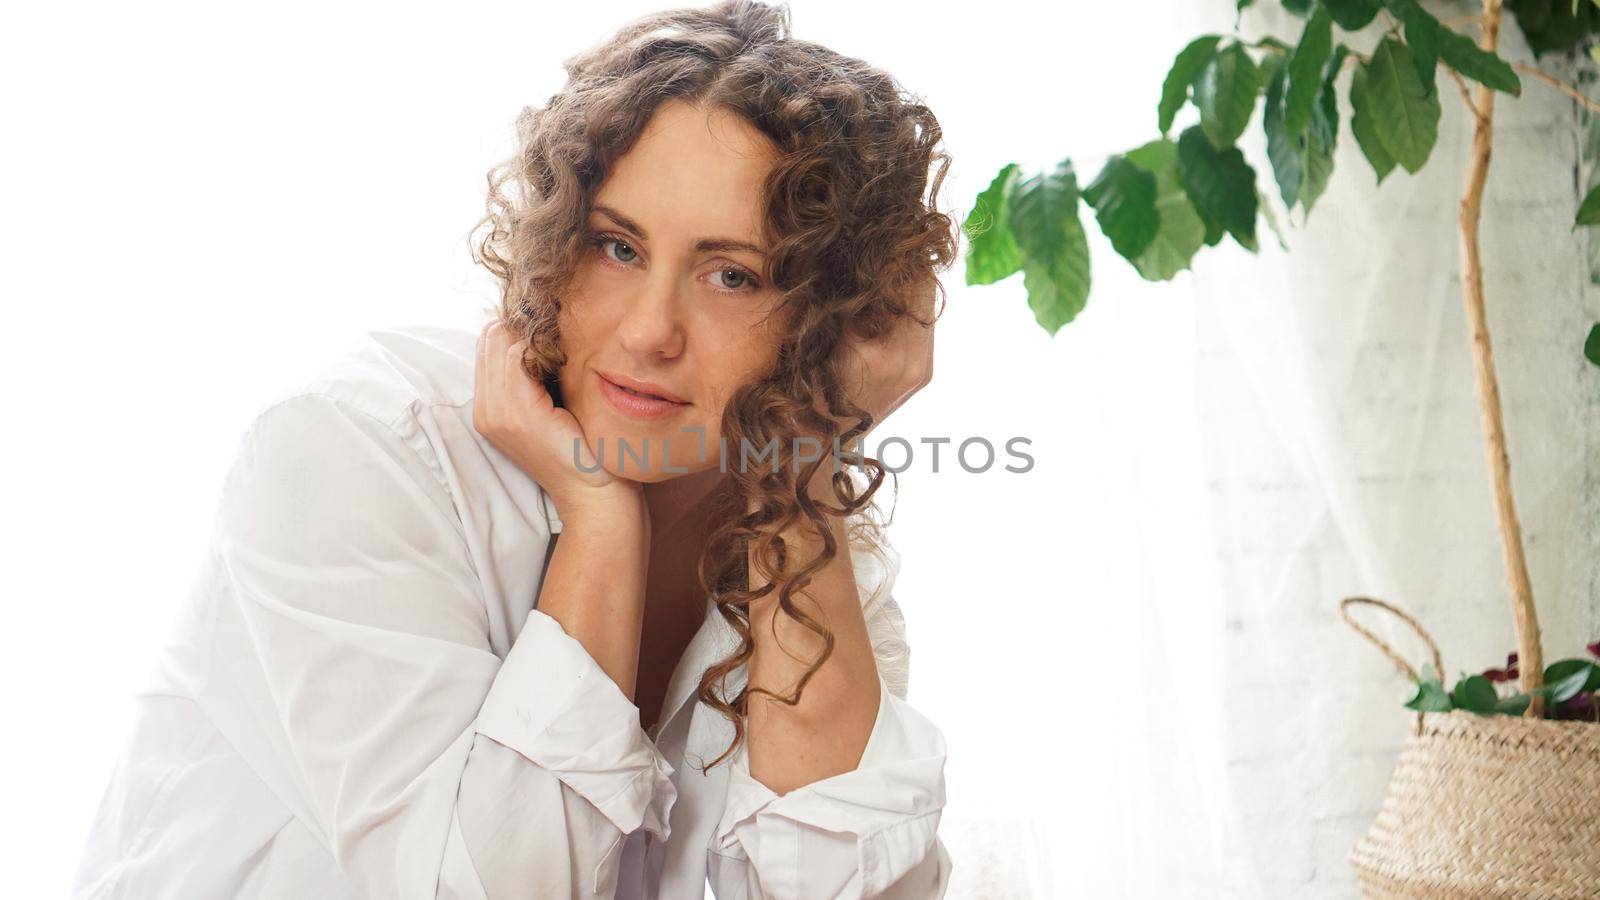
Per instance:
x=869, y=832
x=432, y=767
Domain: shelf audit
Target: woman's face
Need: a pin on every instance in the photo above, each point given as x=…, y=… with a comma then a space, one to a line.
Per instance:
x=671, y=296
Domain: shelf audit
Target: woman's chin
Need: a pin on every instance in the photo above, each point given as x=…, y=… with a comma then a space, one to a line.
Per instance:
x=648, y=456
x=656, y=472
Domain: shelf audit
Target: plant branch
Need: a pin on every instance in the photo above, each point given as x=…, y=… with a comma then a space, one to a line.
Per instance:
x=1558, y=84
x=1466, y=95
x=1530, y=653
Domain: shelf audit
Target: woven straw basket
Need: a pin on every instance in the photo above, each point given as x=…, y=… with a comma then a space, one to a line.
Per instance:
x=1487, y=807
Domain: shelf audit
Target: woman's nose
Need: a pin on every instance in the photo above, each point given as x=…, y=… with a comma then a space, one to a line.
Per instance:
x=652, y=323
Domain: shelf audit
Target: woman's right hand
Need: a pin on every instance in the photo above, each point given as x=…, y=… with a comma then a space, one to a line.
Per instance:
x=517, y=415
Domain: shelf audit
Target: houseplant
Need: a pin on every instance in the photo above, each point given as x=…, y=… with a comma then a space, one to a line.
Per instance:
x=1161, y=203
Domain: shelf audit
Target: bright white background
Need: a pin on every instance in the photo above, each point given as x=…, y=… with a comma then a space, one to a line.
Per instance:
x=202, y=202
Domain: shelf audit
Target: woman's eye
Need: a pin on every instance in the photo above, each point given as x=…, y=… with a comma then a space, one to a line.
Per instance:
x=602, y=241
x=742, y=279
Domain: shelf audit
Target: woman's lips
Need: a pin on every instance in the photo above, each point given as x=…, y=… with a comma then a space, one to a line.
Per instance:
x=635, y=406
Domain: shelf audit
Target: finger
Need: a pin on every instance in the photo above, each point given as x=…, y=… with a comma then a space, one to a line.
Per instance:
x=523, y=391
x=483, y=370
x=479, y=357
x=495, y=349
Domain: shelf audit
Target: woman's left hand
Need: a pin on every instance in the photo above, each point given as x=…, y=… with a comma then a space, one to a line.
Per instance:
x=882, y=374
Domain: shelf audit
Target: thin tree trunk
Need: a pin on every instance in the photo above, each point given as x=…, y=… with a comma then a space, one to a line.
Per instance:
x=1530, y=653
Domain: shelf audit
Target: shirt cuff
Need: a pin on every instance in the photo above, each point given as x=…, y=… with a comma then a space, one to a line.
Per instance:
x=891, y=803
x=552, y=703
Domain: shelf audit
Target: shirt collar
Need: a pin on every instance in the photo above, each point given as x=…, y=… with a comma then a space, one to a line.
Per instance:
x=551, y=517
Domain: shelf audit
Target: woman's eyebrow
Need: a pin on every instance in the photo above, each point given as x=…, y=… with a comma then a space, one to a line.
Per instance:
x=704, y=245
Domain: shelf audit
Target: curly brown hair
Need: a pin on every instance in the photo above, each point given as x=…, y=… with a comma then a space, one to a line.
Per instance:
x=855, y=238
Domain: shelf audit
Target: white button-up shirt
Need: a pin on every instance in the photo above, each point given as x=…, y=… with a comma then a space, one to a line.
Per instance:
x=360, y=698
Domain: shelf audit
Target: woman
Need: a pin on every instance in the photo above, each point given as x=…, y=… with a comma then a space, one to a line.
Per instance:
x=513, y=613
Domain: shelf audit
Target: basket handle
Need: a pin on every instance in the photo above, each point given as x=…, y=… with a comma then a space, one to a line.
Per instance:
x=1438, y=663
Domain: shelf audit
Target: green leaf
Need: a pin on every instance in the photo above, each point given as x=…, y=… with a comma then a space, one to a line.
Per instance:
x=1265, y=206
x=1053, y=302
x=1589, y=210
x=1353, y=15
x=991, y=248
x=1465, y=56
x=1318, y=166
x=1361, y=125
x=1324, y=128
x=1043, y=214
x=1475, y=693
x=1564, y=688
x=1155, y=157
x=1248, y=241
x=1422, y=38
x=1305, y=70
x=1267, y=68
x=1298, y=7
x=1124, y=201
x=1562, y=672
x=1591, y=345
x=1182, y=233
x=1531, y=14
x=1220, y=184
x=1430, y=697
x=1225, y=92
x=1283, y=150
x=1191, y=60
x=1430, y=39
x=1514, y=705
x=1551, y=25
x=1303, y=162
x=1322, y=137
x=1405, y=114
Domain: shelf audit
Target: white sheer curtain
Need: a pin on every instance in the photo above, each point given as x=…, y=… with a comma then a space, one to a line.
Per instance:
x=1170, y=705
x=1066, y=626
x=1064, y=622
x=1345, y=456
